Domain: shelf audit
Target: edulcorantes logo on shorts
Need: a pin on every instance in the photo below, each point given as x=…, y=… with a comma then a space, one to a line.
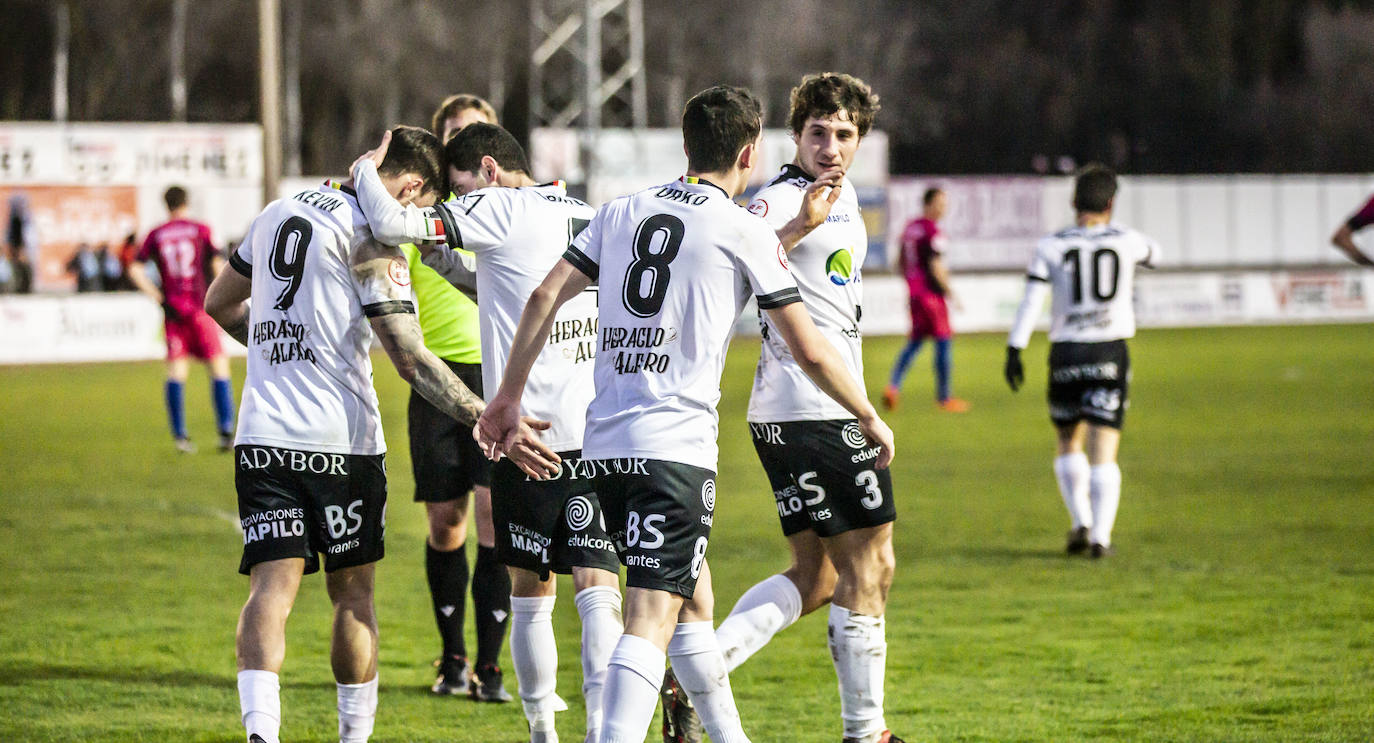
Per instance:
x=579, y=512
x=708, y=495
x=853, y=436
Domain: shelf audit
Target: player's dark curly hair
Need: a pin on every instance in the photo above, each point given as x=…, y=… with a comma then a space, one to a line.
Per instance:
x=716, y=124
x=465, y=149
x=1094, y=189
x=829, y=93
x=416, y=150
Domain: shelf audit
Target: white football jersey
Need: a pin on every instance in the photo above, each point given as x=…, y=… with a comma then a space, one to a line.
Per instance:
x=1091, y=271
x=676, y=263
x=826, y=265
x=517, y=236
x=309, y=382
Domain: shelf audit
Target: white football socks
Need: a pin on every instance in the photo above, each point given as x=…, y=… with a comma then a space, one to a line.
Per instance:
x=599, y=609
x=700, y=669
x=764, y=610
x=1106, y=497
x=1071, y=470
x=357, y=711
x=633, y=676
x=534, y=653
x=858, y=646
x=260, y=702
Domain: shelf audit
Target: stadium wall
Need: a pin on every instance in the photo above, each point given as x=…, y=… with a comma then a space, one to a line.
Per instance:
x=97, y=183
x=1211, y=222
x=126, y=327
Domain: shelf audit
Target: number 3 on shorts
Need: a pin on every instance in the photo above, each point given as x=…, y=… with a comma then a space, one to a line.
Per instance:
x=868, y=480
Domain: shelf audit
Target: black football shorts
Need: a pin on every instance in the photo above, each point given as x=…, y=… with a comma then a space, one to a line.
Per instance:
x=296, y=503
x=823, y=476
x=550, y=525
x=1088, y=381
x=659, y=517
x=445, y=459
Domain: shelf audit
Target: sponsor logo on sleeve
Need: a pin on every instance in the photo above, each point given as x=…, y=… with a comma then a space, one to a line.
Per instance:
x=758, y=208
x=399, y=271
x=782, y=257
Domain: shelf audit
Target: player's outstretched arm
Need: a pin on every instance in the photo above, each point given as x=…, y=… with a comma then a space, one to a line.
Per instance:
x=226, y=301
x=819, y=197
x=1344, y=240
x=427, y=228
x=391, y=223
x=1021, y=329
x=823, y=365
x=499, y=422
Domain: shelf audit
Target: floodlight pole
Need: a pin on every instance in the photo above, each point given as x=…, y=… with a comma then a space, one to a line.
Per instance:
x=269, y=58
x=587, y=54
x=177, y=52
x=62, y=19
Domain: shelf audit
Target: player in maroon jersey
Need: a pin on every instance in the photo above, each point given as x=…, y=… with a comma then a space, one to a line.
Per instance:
x=186, y=260
x=1344, y=239
x=922, y=264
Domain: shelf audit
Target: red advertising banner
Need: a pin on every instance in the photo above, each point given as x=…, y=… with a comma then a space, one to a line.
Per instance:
x=65, y=216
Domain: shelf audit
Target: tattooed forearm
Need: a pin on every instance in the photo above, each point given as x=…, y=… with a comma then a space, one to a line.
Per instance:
x=441, y=387
x=401, y=337
x=238, y=328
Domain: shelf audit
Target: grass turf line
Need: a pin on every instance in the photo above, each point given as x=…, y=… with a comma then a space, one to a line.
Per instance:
x=1237, y=608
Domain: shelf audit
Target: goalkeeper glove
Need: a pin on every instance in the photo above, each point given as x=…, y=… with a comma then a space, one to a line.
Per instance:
x=1012, y=370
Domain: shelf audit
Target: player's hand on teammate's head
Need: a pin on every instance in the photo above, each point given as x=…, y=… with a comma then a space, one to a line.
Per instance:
x=1014, y=373
x=376, y=155
x=878, y=432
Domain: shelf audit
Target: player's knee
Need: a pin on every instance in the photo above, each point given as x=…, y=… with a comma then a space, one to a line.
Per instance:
x=815, y=583
x=884, y=564
x=584, y=578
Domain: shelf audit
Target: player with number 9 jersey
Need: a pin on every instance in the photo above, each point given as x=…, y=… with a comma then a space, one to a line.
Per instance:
x=309, y=382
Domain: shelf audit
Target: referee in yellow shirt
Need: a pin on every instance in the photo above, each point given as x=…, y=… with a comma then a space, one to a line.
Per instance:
x=448, y=465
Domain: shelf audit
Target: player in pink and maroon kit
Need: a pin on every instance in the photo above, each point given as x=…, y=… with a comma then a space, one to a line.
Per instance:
x=1344, y=239
x=922, y=264
x=186, y=260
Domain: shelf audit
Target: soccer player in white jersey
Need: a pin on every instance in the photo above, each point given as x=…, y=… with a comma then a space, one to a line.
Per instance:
x=835, y=504
x=517, y=230
x=1090, y=268
x=309, y=451
x=676, y=264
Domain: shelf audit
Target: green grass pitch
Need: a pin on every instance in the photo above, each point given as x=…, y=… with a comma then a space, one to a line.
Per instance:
x=1240, y=606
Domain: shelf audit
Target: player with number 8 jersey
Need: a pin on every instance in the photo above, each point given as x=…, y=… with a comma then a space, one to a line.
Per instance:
x=676, y=264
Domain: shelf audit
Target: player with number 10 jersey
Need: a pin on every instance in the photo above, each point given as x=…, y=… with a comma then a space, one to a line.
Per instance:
x=1090, y=270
